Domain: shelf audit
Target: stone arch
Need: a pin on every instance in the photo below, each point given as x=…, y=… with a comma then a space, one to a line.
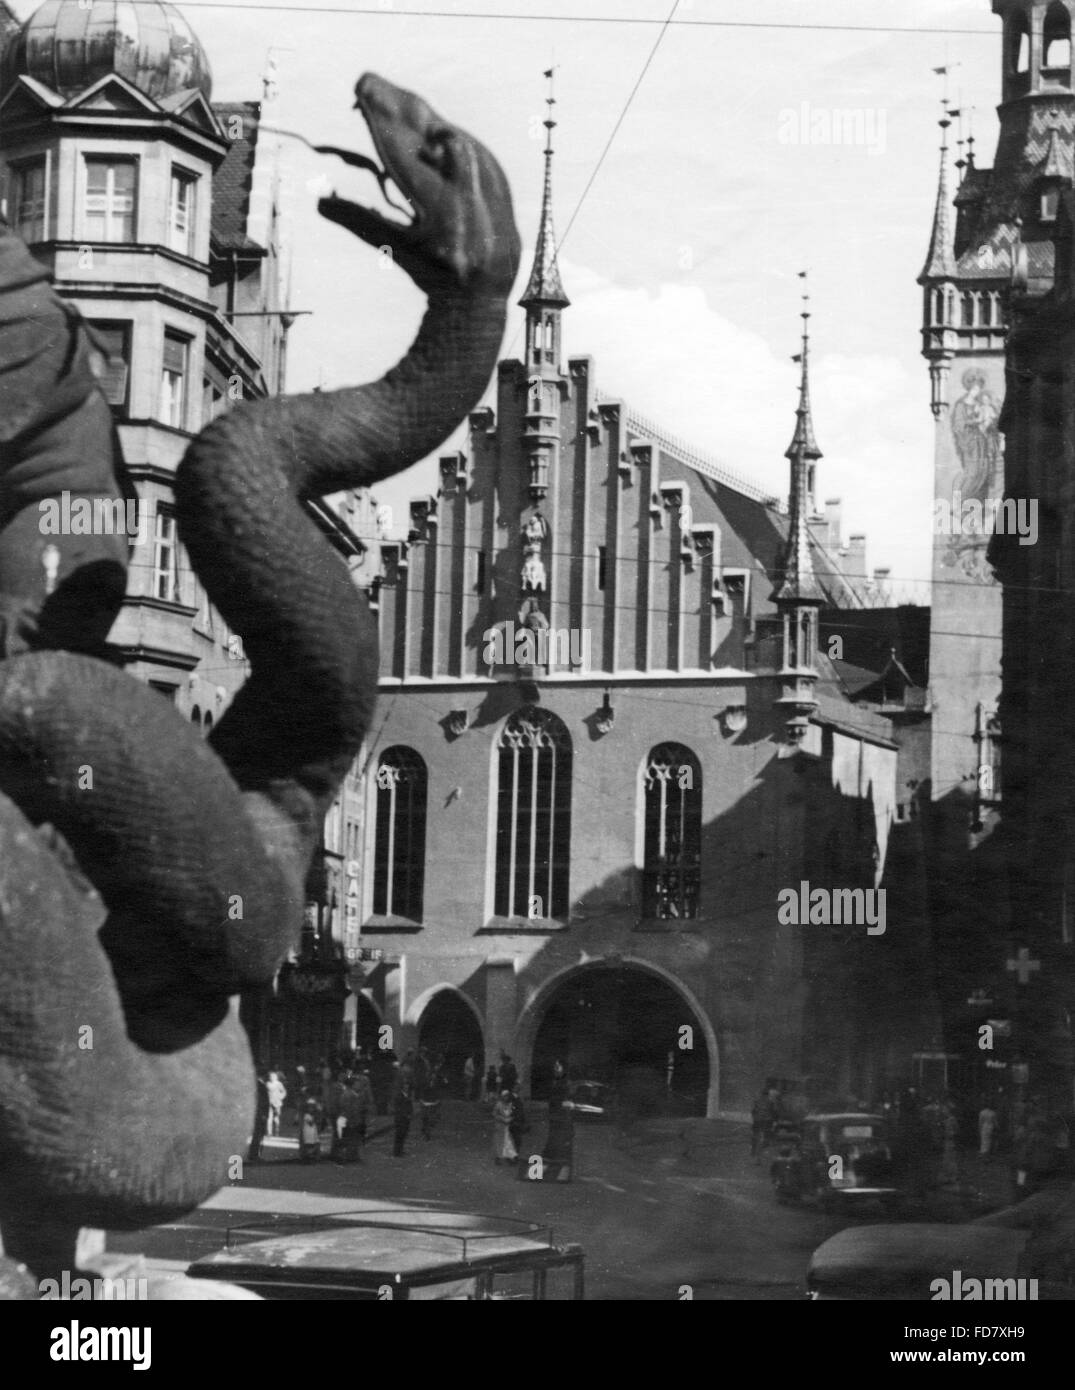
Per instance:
x=533, y=1013
x=450, y=1024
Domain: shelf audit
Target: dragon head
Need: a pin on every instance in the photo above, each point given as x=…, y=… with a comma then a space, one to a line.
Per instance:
x=462, y=235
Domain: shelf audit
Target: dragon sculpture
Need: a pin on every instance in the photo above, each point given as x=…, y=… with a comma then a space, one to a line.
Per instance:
x=137, y=900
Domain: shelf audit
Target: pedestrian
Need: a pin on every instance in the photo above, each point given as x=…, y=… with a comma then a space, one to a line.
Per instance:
x=762, y=1115
x=504, y=1150
x=490, y=1085
x=402, y=1110
x=509, y=1075
x=261, y=1119
x=277, y=1095
x=558, y=1156
x=367, y=1106
x=519, y=1124
x=327, y=1083
x=470, y=1076
x=310, y=1133
x=987, y=1128
x=352, y=1113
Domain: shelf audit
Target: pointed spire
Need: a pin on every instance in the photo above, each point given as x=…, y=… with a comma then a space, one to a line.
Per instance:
x=545, y=285
x=803, y=441
x=798, y=580
x=940, y=260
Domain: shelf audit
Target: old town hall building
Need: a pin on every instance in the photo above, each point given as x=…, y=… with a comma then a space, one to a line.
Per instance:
x=609, y=736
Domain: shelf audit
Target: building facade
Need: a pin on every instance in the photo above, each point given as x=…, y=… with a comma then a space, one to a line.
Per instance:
x=992, y=230
x=155, y=209
x=609, y=739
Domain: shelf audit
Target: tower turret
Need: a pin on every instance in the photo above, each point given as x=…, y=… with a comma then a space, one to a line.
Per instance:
x=544, y=301
x=798, y=596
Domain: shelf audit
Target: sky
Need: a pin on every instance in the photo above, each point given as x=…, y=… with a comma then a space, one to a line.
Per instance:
x=681, y=248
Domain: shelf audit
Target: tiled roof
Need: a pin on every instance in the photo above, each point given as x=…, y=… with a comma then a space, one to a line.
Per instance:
x=233, y=180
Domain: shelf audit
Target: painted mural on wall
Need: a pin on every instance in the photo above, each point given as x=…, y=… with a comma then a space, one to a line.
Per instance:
x=970, y=481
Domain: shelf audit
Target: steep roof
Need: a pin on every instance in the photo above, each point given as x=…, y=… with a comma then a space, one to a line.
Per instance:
x=233, y=180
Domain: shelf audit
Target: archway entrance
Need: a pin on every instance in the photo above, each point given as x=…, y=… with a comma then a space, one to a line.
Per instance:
x=449, y=1030
x=628, y=1027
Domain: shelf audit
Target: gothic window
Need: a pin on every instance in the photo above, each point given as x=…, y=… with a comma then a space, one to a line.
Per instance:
x=938, y=308
x=533, y=816
x=400, y=835
x=1057, y=38
x=196, y=716
x=672, y=852
x=1050, y=204
x=967, y=309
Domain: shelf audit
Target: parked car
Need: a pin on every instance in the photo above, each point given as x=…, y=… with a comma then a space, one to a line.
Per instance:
x=397, y=1253
x=834, y=1158
x=1024, y=1252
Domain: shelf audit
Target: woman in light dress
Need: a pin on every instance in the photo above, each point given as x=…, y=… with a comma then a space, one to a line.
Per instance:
x=504, y=1150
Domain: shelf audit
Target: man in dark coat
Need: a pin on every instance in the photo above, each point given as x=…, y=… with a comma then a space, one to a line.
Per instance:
x=402, y=1110
x=261, y=1119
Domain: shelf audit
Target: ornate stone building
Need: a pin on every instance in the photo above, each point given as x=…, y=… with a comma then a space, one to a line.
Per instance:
x=609, y=736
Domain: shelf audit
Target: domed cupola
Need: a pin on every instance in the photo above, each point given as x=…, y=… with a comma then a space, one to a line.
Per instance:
x=68, y=47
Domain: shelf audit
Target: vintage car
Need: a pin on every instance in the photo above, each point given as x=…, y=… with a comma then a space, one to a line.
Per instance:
x=1024, y=1252
x=913, y=1261
x=397, y=1253
x=836, y=1157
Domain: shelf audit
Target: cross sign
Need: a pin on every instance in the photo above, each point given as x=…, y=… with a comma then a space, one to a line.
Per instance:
x=1023, y=966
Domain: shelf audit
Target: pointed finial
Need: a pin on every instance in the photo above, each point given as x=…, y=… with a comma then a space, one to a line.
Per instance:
x=544, y=285
x=550, y=102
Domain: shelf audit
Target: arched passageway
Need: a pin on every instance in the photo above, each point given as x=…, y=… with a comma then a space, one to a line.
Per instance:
x=627, y=1026
x=449, y=1030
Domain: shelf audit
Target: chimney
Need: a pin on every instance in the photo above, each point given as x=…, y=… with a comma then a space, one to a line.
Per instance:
x=855, y=557
x=833, y=508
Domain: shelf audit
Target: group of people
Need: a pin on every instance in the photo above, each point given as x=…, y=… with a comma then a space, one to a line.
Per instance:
x=337, y=1101
x=556, y=1160
x=420, y=1084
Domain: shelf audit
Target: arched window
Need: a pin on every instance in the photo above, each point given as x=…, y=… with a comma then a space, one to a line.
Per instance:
x=196, y=716
x=533, y=816
x=938, y=307
x=672, y=855
x=998, y=310
x=967, y=305
x=208, y=724
x=400, y=835
x=1057, y=38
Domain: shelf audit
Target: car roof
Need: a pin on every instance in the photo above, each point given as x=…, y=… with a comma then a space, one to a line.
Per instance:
x=382, y=1243
x=888, y=1253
